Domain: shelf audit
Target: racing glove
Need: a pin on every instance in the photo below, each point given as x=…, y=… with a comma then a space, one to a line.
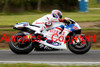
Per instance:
x=62, y=20
x=65, y=20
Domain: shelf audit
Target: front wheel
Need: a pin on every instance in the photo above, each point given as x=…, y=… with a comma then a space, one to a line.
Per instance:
x=18, y=47
x=79, y=47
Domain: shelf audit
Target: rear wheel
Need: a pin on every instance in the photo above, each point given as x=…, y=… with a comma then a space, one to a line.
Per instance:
x=19, y=47
x=79, y=47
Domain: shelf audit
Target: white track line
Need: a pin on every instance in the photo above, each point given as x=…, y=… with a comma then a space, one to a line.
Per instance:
x=53, y=63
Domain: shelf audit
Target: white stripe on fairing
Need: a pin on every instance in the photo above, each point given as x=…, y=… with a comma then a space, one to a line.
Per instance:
x=53, y=62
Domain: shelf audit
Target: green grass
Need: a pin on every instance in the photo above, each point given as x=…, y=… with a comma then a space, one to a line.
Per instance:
x=43, y=65
x=8, y=30
x=96, y=29
x=10, y=20
x=95, y=48
x=94, y=4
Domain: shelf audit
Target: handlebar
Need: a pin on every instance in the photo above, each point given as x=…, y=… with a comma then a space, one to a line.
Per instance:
x=70, y=21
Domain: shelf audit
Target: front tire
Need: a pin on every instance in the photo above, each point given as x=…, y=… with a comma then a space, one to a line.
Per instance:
x=79, y=50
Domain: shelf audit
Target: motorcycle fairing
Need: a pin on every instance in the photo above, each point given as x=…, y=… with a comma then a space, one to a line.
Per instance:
x=65, y=32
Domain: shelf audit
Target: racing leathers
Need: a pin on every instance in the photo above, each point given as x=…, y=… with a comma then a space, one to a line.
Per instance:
x=48, y=22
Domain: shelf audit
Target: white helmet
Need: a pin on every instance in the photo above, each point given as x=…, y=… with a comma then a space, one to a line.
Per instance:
x=56, y=13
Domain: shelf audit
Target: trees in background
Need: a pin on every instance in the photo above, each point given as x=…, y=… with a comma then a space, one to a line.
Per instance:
x=45, y=5
x=39, y=5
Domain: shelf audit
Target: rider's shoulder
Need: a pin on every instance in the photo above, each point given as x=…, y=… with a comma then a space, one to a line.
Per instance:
x=48, y=15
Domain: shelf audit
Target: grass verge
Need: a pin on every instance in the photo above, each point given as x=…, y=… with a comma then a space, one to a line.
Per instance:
x=95, y=48
x=96, y=29
x=43, y=65
x=8, y=30
x=94, y=4
x=9, y=20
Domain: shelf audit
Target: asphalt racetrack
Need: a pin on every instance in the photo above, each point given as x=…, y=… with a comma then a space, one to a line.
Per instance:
x=49, y=56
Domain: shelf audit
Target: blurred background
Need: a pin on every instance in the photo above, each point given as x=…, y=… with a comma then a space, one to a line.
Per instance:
x=85, y=12
x=15, y=6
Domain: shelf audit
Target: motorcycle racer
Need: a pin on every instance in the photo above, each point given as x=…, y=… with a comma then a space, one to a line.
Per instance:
x=48, y=21
x=55, y=38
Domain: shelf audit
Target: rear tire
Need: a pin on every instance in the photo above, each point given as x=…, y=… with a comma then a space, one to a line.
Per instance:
x=19, y=50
